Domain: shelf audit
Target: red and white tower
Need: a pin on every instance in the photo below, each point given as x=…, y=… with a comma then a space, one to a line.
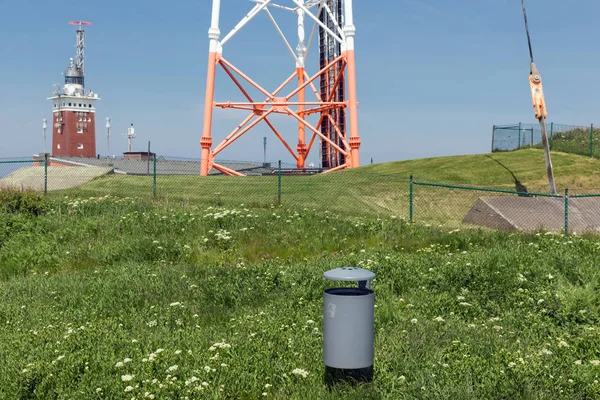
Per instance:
x=334, y=103
x=74, y=122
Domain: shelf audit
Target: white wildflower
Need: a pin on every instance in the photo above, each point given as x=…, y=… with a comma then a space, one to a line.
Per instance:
x=300, y=372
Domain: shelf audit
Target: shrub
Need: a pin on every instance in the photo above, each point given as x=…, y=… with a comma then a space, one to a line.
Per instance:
x=26, y=202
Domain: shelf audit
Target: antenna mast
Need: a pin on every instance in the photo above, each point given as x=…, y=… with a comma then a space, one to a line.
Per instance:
x=80, y=44
x=130, y=135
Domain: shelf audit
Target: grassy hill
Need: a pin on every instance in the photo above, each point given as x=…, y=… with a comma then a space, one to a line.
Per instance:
x=116, y=298
x=379, y=189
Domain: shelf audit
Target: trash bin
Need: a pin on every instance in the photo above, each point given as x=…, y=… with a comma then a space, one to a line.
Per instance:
x=348, y=327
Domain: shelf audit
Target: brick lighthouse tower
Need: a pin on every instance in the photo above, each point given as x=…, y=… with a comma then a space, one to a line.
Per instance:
x=73, y=112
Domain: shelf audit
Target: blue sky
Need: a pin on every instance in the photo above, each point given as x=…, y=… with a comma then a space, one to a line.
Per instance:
x=433, y=75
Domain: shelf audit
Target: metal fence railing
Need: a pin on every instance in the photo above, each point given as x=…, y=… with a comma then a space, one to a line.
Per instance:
x=349, y=192
x=582, y=140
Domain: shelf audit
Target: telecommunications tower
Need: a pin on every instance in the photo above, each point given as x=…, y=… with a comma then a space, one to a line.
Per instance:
x=73, y=128
x=334, y=108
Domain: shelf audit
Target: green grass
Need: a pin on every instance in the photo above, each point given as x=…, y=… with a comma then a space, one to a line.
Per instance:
x=374, y=190
x=577, y=141
x=91, y=283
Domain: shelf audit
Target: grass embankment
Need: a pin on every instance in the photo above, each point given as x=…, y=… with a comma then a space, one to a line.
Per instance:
x=121, y=298
x=380, y=189
x=577, y=141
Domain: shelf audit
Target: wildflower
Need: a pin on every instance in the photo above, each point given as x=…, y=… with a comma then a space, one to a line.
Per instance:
x=126, y=378
x=129, y=388
x=224, y=365
x=310, y=321
x=174, y=304
x=595, y=362
x=577, y=362
x=414, y=321
x=547, y=352
x=127, y=360
x=438, y=319
x=300, y=372
x=98, y=390
x=172, y=368
x=268, y=385
x=207, y=368
x=119, y=364
x=511, y=364
x=177, y=352
x=264, y=394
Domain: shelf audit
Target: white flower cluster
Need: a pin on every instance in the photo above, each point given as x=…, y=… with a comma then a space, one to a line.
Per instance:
x=300, y=372
x=220, y=345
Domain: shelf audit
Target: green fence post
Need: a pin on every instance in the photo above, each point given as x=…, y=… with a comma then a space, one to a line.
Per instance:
x=154, y=179
x=592, y=141
x=519, y=144
x=279, y=183
x=531, y=137
x=566, y=211
x=45, y=173
x=551, y=130
x=410, y=199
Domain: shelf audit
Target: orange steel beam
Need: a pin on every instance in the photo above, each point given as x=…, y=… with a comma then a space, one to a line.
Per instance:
x=221, y=146
x=276, y=132
x=236, y=130
x=312, y=140
x=206, y=140
x=226, y=171
x=301, y=147
x=279, y=103
x=312, y=86
x=234, y=79
x=337, y=130
x=353, y=107
x=309, y=126
x=308, y=82
x=247, y=79
x=339, y=167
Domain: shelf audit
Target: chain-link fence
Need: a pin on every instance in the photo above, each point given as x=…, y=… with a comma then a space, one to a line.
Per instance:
x=350, y=192
x=572, y=211
x=582, y=140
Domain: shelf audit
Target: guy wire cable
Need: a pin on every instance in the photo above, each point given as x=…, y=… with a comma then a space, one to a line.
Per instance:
x=527, y=30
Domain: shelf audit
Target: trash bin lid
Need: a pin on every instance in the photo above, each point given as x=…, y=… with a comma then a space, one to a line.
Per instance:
x=349, y=274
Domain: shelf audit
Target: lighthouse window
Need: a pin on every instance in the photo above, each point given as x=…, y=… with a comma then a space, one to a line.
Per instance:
x=80, y=146
x=58, y=146
x=79, y=129
x=79, y=104
x=69, y=104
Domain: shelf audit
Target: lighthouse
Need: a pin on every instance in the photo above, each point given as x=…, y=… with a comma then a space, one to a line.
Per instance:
x=73, y=111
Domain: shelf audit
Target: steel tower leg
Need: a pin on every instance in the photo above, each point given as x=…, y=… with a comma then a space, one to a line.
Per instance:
x=300, y=54
x=349, y=32
x=213, y=56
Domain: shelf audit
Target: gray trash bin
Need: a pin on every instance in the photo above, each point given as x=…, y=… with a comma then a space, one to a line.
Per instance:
x=348, y=327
